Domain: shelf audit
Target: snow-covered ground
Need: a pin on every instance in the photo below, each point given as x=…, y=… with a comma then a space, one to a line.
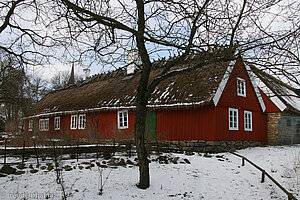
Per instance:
x=218, y=177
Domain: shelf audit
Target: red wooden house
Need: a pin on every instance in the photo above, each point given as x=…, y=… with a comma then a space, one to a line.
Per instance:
x=219, y=103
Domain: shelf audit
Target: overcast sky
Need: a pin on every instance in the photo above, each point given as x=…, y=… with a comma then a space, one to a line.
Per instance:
x=48, y=71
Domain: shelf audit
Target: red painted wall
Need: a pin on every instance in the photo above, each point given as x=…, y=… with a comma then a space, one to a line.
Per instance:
x=259, y=126
x=106, y=125
x=230, y=99
x=193, y=123
x=101, y=124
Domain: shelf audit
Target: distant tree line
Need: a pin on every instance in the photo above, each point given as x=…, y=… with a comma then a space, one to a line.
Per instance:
x=20, y=91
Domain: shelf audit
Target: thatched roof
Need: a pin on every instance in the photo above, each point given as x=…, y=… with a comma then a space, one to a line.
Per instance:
x=116, y=90
x=276, y=89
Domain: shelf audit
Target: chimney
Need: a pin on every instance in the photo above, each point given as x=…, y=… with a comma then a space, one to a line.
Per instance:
x=86, y=73
x=72, y=77
x=133, y=61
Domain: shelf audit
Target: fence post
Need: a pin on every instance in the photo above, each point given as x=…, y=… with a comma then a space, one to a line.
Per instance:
x=114, y=148
x=243, y=161
x=263, y=176
x=77, y=149
x=97, y=151
x=5, y=143
x=157, y=147
x=129, y=148
x=37, y=156
x=23, y=153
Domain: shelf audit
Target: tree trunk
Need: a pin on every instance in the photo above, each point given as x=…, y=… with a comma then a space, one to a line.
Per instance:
x=141, y=111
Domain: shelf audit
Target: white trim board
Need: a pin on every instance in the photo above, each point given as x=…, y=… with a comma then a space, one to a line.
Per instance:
x=223, y=83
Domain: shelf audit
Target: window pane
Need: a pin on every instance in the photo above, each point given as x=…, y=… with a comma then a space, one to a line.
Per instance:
x=56, y=123
x=241, y=87
x=125, y=119
x=248, y=121
x=233, y=119
x=82, y=121
x=122, y=119
x=30, y=125
x=73, y=121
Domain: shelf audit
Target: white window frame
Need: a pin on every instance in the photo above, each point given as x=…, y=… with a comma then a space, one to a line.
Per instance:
x=241, y=87
x=73, y=122
x=30, y=125
x=41, y=124
x=123, y=119
x=81, y=121
x=248, y=123
x=44, y=124
x=233, y=119
x=57, y=123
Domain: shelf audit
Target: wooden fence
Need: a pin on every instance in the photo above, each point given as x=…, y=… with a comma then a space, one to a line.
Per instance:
x=264, y=174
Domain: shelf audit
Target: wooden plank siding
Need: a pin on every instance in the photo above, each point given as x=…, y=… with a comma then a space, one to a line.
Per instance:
x=194, y=123
x=259, y=129
x=99, y=125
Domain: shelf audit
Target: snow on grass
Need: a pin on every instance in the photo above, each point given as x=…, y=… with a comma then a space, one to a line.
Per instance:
x=218, y=177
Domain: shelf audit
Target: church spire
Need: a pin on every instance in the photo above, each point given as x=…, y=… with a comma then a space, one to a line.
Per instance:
x=71, y=79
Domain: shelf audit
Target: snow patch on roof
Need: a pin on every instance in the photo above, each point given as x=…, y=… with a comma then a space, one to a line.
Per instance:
x=291, y=98
x=258, y=95
x=278, y=103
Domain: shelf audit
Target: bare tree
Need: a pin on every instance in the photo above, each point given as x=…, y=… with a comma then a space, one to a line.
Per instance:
x=12, y=94
x=61, y=79
x=265, y=32
x=36, y=88
x=214, y=30
x=23, y=34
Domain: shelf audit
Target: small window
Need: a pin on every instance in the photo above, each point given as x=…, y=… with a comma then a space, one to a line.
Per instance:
x=74, y=121
x=44, y=124
x=30, y=125
x=233, y=119
x=123, y=119
x=82, y=121
x=57, y=123
x=241, y=87
x=41, y=124
x=248, y=121
x=288, y=122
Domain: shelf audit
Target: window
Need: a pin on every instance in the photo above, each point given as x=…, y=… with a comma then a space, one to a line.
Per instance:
x=233, y=119
x=248, y=121
x=82, y=121
x=30, y=125
x=44, y=124
x=74, y=121
x=123, y=119
x=241, y=87
x=78, y=121
x=288, y=122
x=41, y=124
x=57, y=123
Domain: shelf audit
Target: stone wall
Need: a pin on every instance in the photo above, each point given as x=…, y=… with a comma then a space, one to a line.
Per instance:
x=273, y=128
x=212, y=146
